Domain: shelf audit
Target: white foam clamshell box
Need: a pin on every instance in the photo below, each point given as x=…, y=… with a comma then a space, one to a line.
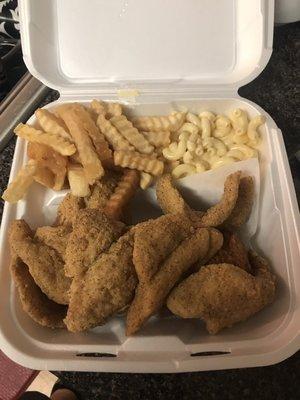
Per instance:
x=176, y=53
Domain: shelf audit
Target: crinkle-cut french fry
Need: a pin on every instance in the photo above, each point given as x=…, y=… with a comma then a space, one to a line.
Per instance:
x=88, y=156
x=170, y=123
x=108, y=110
x=17, y=189
x=78, y=184
x=98, y=106
x=50, y=123
x=129, y=132
x=84, y=119
x=158, y=139
x=44, y=176
x=141, y=162
x=124, y=191
x=113, y=110
x=112, y=135
x=51, y=160
x=57, y=143
x=146, y=180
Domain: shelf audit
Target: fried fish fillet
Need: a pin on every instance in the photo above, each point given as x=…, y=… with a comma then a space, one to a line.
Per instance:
x=219, y=213
x=102, y=190
x=68, y=209
x=106, y=288
x=93, y=232
x=244, y=203
x=34, y=302
x=223, y=294
x=150, y=295
x=233, y=252
x=155, y=240
x=55, y=237
x=44, y=264
x=169, y=198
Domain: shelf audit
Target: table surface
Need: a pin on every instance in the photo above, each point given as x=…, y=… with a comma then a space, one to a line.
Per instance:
x=275, y=90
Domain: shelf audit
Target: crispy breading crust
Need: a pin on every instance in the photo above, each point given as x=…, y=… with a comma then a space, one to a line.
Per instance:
x=103, y=190
x=93, y=232
x=218, y=214
x=150, y=295
x=44, y=264
x=106, y=288
x=34, y=302
x=155, y=240
x=223, y=294
x=244, y=203
x=68, y=210
x=169, y=198
x=233, y=252
x=54, y=236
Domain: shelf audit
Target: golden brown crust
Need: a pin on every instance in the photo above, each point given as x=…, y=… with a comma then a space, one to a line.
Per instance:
x=218, y=214
x=233, y=252
x=103, y=190
x=150, y=295
x=244, y=203
x=34, y=302
x=223, y=294
x=93, y=232
x=169, y=198
x=55, y=237
x=44, y=264
x=106, y=288
x=68, y=209
x=155, y=240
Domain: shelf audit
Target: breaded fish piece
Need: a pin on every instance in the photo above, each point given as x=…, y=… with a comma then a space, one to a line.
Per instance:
x=34, y=302
x=216, y=241
x=106, y=288
x=93, y=232
x=155, y=240
x=102, y=190
x=169, y=198
x=68, y=209
x=244, y=203
x=218, y=214
x=233, y=252
x=150, y=295
x=44, y=264
x=223, y=294
x=55, y=237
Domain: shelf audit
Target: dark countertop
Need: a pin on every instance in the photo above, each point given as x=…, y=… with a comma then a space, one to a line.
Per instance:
x=274, y=90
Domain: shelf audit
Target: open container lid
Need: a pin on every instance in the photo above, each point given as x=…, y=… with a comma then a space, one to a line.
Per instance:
x=171, y=45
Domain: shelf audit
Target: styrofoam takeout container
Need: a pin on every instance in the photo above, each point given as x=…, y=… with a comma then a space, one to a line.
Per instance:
x=156, y=56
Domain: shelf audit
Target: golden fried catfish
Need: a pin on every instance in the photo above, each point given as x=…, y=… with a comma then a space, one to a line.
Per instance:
x=150, y=294
x=54, y=236
x=243, y=206
x=155, y=240
x=233, y=252
x=68, y=209
x=44, y=263
x=34, y=302
x=169, y=198
x=218, y=214
x=93, y=232
x=106, y=288
x=224, y=294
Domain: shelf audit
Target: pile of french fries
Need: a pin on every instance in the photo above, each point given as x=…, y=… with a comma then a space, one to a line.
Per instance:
x=73, y=145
